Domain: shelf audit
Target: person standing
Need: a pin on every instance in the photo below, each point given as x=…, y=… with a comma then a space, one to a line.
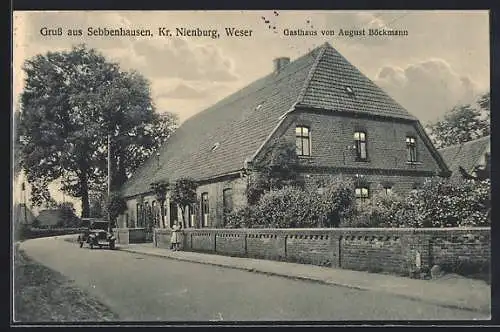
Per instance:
x=175, y=239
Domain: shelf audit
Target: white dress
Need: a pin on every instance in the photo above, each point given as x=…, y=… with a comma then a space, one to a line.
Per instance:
x=176, y=236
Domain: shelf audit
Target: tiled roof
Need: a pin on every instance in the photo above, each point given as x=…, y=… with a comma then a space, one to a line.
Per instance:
x=219, y=139
x=466, y=155
x=332, y=77
x=49, y=217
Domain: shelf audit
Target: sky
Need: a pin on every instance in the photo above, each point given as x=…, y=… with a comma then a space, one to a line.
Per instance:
x=442, y=61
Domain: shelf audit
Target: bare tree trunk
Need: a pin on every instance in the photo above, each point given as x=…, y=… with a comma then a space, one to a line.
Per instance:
x=183, y=211
x=162, y=213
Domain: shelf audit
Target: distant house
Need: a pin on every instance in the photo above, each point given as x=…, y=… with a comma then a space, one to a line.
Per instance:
x=50, y=217
x=343, y=125
x=470, y=160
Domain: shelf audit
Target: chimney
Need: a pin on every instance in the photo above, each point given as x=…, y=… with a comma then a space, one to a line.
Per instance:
x=280, y=63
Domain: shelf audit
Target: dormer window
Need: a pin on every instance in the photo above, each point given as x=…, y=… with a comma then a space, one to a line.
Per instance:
x=303, y=140
x=360, y=145
x=215, y=146
x=349, y=91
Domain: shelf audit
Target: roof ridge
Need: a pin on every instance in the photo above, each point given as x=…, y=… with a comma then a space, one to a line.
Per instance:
x=312, y=70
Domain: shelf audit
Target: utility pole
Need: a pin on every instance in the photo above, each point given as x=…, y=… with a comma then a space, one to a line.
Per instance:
x=23, y=189
x=109, y=180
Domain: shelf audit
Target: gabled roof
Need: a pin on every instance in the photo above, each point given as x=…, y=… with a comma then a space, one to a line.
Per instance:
x=466, y=155
x=219, y=139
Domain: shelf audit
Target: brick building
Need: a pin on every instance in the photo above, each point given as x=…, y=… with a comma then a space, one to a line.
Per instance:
x=343, y=125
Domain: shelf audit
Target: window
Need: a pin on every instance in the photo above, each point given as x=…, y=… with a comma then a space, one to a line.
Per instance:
x=191, y=214
x=163, y=214
x=154, y=215
x=411, y=149
x=387, y=187
x=147, y=215
x=227, y=202
x=139, y=215
x=360, y=143
x=227, y=199
x=303, y=141
x=362, y=193
x=204, y=209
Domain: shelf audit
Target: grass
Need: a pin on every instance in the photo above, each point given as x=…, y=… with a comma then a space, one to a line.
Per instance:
x=43, y=295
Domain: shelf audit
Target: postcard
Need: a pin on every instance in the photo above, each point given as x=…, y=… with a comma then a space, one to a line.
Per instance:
x=207, y=167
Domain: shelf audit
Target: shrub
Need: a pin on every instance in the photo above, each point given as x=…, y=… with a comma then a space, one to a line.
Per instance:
x=246, y=217
x=388, y=211
x=438, y=203
x=360, y=216
x=275, y=169
x=115, y=205
x=441, y=203
x=338, y=203
x=293, y=207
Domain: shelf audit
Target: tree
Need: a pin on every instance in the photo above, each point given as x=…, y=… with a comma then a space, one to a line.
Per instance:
x=160, y=189
x=277, y=168
x=115, y=206
x=184, y=194
x=97, y=208
x=462, y=123
x=71, y=102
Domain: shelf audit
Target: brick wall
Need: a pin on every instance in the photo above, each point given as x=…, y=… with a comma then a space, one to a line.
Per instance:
x=215, y=196
x=214, y=191
x=372, y=251
x=333, y=156
x=460, y=245
x=130, y=235
x=312, y=247
x=386, y=145
x=230, y=243
x=267, y=245
x=400, y=250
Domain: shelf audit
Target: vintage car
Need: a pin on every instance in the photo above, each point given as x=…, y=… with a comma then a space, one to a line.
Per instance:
x=97, y=234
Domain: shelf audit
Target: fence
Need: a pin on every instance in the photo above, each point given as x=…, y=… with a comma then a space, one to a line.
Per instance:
x=396, y=250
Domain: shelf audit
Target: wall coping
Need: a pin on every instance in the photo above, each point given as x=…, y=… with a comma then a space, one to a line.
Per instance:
x=330, y=230
x=129, y=228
